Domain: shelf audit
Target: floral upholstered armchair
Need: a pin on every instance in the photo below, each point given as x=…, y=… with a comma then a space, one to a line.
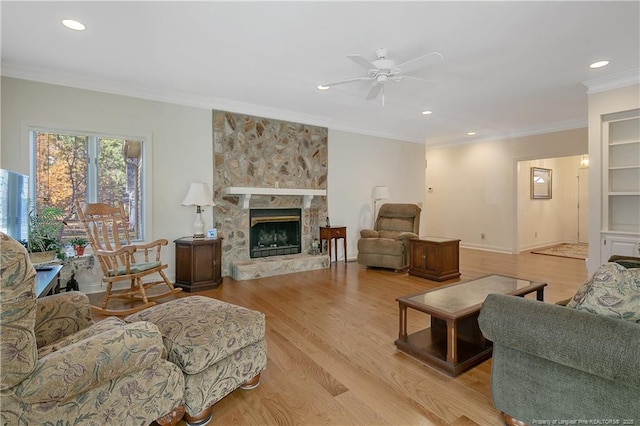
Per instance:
x=59, y=367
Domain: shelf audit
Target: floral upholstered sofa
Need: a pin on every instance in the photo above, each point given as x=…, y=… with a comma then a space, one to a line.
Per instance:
x=59, y=367
x=574, y=364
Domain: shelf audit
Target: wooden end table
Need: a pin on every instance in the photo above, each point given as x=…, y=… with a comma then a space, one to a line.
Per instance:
x=434, y=258
x=454, y=342
x=198, y=263
x=334, y=233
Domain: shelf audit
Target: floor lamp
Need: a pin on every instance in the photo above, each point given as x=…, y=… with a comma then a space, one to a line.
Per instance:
x=379, y=193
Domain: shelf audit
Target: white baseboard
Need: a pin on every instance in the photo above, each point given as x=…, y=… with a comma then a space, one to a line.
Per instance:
x=496, y=249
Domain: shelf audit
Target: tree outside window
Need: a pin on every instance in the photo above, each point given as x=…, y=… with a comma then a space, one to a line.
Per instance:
x=70, y=167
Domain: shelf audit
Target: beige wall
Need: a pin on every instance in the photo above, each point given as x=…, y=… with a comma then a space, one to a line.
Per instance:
x=358, y=163
x=471, y=189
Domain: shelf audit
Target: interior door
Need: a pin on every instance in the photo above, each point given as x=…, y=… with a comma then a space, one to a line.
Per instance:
x=583, y=205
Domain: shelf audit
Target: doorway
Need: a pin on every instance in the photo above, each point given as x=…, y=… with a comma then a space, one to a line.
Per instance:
x=559, y=219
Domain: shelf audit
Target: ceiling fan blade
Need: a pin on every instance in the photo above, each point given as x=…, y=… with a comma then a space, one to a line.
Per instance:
x=364, y=63
x=351, y=80
x=419, y=62
x=375, y=90
x=418, y=78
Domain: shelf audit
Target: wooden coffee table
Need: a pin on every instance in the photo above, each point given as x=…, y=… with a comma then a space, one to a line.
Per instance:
x=454, y=342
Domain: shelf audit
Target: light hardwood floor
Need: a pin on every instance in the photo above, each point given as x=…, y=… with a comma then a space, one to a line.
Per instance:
x=331, y=357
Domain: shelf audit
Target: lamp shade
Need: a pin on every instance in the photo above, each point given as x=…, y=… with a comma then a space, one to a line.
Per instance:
x=198, y=195
x=381, y=192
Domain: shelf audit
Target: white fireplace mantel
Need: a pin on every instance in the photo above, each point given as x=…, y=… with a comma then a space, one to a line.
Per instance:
x=245, y=194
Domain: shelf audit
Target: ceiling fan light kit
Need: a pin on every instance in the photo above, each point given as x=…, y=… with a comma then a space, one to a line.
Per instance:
x=383, y=70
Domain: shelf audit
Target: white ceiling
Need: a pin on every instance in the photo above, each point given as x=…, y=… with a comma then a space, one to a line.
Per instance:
x=509, y=68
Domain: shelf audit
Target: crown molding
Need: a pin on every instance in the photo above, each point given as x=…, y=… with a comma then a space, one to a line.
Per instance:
x=55, y=77
x=183, y=98
x=551, y=128
x=369, y=132
x=613, y=81
x=166, y=95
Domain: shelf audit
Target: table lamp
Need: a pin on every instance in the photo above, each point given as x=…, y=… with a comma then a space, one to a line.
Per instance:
x=198, y=196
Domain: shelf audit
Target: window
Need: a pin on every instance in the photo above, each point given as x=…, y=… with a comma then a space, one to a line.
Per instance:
x=72, y=166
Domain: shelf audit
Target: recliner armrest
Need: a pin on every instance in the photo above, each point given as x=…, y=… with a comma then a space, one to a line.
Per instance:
x=407, y=236
x=369, y=233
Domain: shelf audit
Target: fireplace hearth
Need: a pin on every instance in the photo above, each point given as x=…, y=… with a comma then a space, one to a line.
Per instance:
x=274, y=232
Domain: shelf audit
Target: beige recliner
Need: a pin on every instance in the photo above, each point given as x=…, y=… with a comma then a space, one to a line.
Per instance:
x=386, y=245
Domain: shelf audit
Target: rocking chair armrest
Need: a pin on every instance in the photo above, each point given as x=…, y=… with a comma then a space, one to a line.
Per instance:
x=154, y=247
x=122, y=251
x=153, y=244
x=86, y=364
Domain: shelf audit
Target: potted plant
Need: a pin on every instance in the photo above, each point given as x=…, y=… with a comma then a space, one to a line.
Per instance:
x=79, y=244
x=45, y=225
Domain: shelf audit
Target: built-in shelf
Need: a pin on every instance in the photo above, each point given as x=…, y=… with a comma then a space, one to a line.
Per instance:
x=621, y=185
x=245, y=194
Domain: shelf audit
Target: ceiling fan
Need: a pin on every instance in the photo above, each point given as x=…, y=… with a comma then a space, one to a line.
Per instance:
x=383, y=70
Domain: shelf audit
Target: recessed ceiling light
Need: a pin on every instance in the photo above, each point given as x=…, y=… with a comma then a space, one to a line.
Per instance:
x=321, y=87
x=72, y=24
x=471, y=133
x=427, y=112
x=599, y=64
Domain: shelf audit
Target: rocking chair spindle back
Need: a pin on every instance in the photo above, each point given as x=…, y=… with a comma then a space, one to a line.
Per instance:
x=108, y=232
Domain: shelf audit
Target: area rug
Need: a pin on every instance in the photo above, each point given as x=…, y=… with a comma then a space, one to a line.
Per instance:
x=574, y=251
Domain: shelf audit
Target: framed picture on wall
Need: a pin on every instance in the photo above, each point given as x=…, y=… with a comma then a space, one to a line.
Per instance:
x=540, y=183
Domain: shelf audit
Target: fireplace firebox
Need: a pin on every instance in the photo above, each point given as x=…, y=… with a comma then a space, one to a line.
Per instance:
x=274, y=232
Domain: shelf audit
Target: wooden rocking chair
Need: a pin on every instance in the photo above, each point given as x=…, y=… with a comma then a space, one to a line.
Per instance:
x=108, y=233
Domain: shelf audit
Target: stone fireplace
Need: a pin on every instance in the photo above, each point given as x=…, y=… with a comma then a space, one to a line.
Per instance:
x=285, y=166
x=274, y=232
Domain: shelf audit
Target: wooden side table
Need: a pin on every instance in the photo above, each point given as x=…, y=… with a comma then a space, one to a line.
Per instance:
x=198, y=263
x=434, y=258
x=334, y=233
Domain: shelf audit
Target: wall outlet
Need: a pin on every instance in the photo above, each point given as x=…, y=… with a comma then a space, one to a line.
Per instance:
x=482, y=236
x=535, y=234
